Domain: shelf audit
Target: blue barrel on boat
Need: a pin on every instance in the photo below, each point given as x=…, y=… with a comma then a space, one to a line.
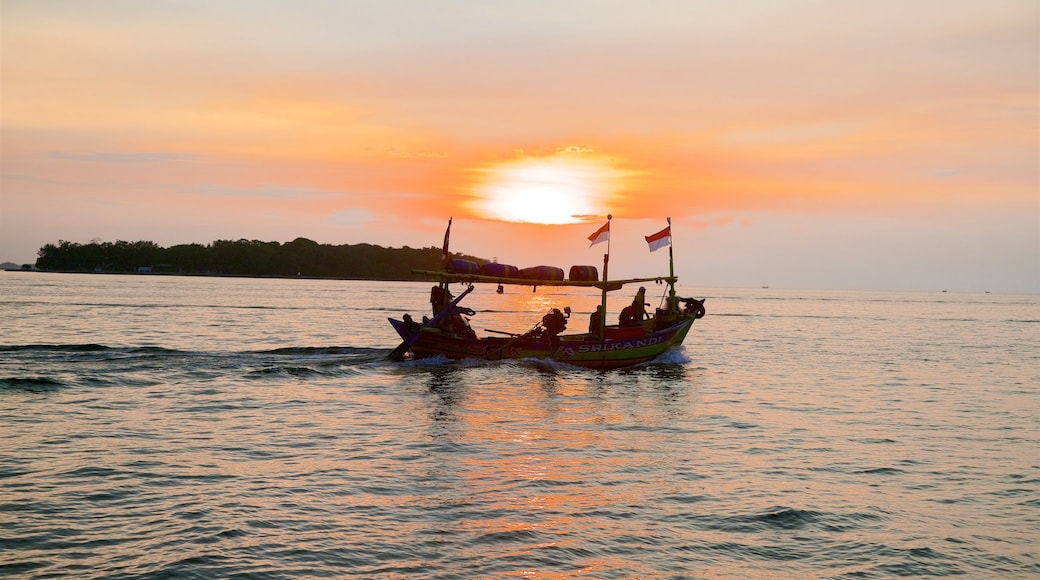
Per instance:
x=500, y=270
x=542, y=273
x=460, y=266
x=584, y=274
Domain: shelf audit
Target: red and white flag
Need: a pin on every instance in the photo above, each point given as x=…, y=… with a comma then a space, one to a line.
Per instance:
x=601, y=235
x=660, y=239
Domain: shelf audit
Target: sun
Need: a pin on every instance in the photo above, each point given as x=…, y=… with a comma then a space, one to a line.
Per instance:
x=560, y=189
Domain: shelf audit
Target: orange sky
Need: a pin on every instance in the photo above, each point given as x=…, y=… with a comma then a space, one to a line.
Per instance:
x=793, y=143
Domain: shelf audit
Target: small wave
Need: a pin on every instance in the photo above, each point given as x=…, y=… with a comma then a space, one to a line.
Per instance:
x=91, y=350
x=292, y=371
x=55, y=348
x=919, y=562
x=881, y=471
x=31, y=384
x=774, y=518
x=787, y=518
x=15, y=568
x=153, y=350
x=507, y=536
x=675, y=355
x=302, y=362
x=740, y=425
x=92, y=471
x=319, y=350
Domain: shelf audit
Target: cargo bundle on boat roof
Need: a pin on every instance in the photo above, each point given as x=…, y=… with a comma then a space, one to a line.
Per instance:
x=460, y=266
x=542, y=273
x=583, y=274
x=499, y=270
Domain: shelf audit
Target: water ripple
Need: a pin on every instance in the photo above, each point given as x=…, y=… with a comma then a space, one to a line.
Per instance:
x=841, y=435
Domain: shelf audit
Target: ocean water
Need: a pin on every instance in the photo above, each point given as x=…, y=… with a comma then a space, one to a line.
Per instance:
x=180, y=427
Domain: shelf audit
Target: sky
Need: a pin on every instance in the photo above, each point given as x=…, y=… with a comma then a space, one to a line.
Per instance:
x=838, y=144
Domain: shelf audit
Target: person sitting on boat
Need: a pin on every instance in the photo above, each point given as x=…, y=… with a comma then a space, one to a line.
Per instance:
x=596, y=320
x=440, y=297
x=410, y=324
x=553, y=324
x=460, y=327
x=630, y=315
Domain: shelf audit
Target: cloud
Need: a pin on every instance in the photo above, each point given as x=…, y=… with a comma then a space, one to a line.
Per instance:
x=351, y=217
x=142, y=157
x=701, y=224
x=574, y=149
x=405, y=153
x=268, y=192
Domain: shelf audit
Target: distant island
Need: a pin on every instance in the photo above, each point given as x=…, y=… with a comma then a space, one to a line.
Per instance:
x=298, y=258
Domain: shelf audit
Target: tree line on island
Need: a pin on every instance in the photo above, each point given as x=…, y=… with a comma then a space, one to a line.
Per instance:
x=300, y=257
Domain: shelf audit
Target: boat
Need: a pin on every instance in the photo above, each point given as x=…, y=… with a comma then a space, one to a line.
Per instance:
x=641, y=337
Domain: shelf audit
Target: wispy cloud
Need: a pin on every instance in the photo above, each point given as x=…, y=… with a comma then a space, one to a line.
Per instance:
x=141, y=157
x=269, y=192
x=361, y=114
x=351, y=217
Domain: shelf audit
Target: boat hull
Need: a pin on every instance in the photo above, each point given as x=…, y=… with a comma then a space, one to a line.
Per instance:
x=622, y=346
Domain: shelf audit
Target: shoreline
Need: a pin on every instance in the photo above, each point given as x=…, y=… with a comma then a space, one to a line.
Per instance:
x=197, y=275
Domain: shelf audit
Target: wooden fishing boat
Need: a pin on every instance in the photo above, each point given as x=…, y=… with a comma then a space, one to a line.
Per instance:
x=641, y=338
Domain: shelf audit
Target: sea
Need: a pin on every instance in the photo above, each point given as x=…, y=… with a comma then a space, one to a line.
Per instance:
x=200, y=427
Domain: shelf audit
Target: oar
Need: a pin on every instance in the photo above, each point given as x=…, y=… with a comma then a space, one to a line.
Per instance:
x=515, y=337
x=398, y=353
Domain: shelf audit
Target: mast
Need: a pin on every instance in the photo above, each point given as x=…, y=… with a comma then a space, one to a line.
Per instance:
x=603, y=300
x=443, y=282
x=672, y=304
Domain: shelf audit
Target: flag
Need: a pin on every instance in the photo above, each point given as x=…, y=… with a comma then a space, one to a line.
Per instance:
x=601, y=235
x=660, y=239
x=444, y=252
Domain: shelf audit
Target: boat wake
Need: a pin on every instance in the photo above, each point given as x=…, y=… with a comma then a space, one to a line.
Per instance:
x=673, y=356
x=47, y=368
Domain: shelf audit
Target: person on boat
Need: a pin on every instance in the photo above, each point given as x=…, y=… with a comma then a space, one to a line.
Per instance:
x=451, y=321
x=440, y=297
x=553, y=324
x=596, y=320
x=630, y=315
x=641, y=303
x=460, y=327
x=410, y=324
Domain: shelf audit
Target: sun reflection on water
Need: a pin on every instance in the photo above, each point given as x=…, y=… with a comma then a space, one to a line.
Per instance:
x=541, y=468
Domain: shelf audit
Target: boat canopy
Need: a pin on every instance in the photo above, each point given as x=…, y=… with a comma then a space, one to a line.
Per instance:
x=605, y=285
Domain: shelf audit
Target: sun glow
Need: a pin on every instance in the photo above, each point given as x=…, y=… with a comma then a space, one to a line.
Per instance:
x=546, y=190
